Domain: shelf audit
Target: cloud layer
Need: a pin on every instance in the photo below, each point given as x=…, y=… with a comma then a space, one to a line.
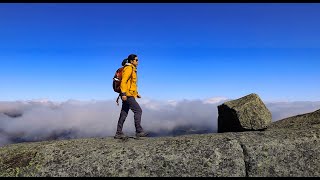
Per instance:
x=45, y=120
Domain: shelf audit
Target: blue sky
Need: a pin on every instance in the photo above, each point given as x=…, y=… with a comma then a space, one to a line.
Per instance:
x=186, y=51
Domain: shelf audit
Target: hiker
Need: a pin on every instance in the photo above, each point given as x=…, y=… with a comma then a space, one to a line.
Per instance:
x=128, y=94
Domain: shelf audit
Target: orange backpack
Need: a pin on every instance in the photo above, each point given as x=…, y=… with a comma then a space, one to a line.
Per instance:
x=117, y=81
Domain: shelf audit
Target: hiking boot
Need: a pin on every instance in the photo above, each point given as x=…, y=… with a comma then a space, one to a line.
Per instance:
x=120, y=136
x=142, y=134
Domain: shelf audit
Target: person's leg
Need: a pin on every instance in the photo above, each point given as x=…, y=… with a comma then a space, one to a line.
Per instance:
x=123, y=116
x=135, y=107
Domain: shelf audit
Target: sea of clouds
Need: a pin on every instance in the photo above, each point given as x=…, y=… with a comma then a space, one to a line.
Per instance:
x=38, y=120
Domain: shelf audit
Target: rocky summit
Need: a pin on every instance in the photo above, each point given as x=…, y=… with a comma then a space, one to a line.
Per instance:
x=287, y=148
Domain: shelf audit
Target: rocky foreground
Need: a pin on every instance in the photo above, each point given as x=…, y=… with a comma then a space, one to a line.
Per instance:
x=288, y=147
x=276, y=152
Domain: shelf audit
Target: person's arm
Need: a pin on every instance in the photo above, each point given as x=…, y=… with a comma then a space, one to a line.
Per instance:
x=126, y=73
x=138, y=96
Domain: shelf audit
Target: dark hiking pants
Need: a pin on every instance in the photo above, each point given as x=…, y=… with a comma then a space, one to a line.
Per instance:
x=132, y=104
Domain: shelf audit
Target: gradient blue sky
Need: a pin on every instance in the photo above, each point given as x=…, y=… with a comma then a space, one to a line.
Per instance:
x=186, y=51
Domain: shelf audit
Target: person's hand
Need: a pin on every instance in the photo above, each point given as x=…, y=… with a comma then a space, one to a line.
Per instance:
x=138, y=96
x=124, y=98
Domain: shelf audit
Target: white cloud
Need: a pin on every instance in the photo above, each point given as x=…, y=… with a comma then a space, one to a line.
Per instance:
x=215, y=100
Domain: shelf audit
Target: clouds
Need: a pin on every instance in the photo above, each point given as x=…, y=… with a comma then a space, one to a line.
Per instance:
x=46, y=120
x=282, y=110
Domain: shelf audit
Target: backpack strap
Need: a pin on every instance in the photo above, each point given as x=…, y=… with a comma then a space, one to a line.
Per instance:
x=130, y=77
x=117, y=101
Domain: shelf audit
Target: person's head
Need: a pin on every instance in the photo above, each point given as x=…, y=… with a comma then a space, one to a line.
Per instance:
x=124, y=62
x=133, y=59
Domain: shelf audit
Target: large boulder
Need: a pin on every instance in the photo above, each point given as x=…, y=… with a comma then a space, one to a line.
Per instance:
x=244, y=114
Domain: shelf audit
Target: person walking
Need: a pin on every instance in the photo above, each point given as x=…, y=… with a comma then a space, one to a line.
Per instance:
x=129, y=93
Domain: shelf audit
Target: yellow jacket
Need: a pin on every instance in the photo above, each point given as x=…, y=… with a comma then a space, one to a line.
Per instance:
x=129, y=79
